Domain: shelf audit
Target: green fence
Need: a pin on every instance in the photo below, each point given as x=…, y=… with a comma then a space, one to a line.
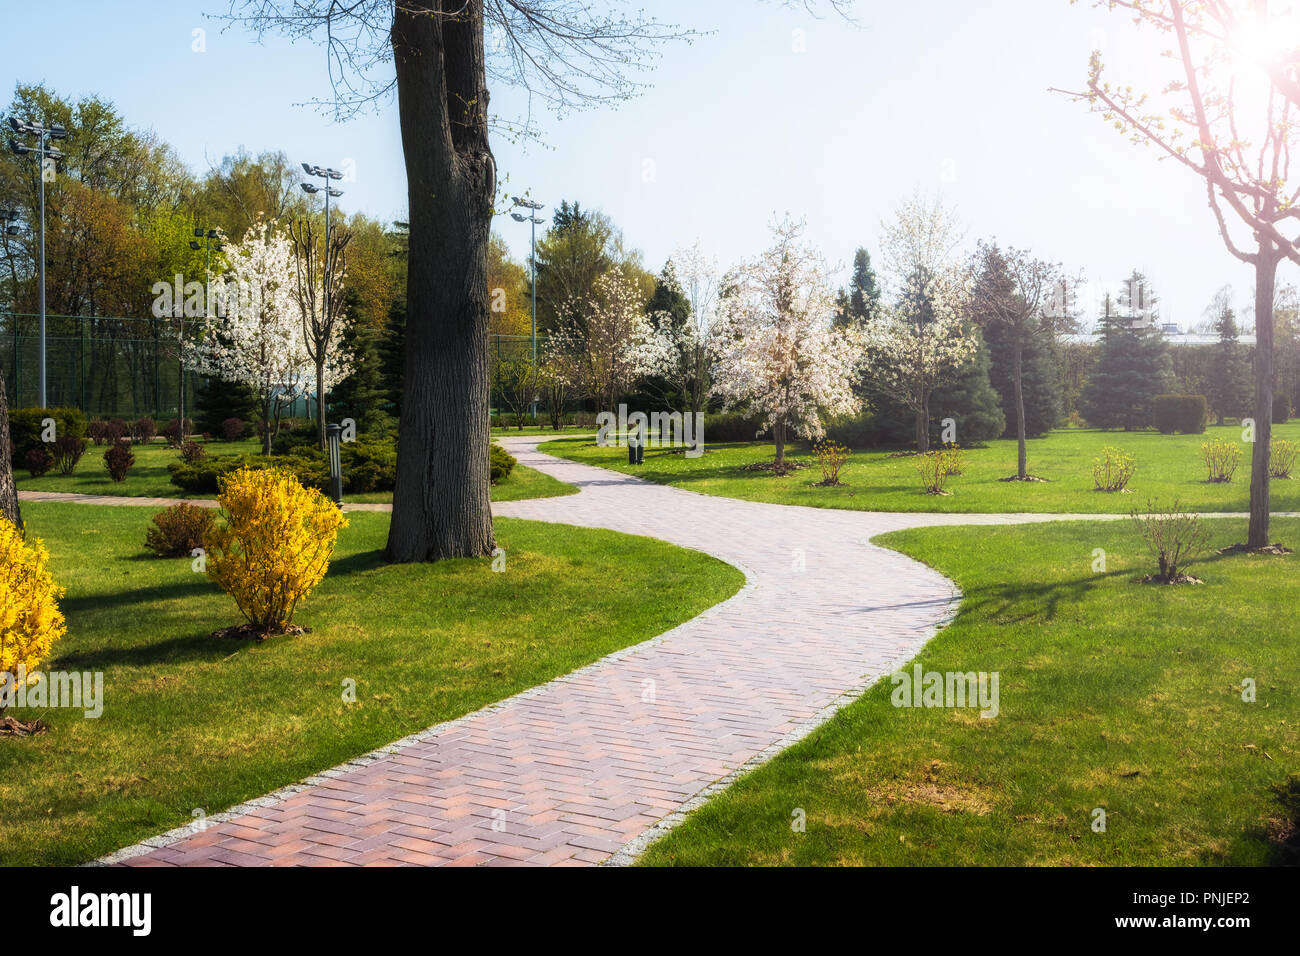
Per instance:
x=109, y=367
x=114, y=367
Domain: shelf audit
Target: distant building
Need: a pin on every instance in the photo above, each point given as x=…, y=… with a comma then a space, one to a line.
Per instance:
x=1170, y=330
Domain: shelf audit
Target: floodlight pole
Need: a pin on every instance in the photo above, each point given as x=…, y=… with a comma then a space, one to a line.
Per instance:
x=43, y=151
x=532, y=261
x=328, y=175
x=41, y=377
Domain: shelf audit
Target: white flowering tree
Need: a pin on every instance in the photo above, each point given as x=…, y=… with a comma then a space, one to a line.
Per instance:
x=682, y=349
x=321, y=269
x=256, y=337
x=609, y=343
x=924, y=337
x=773, y=344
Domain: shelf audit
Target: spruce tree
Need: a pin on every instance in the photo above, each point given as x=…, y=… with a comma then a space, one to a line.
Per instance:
x=1229, y=384
x=218, y=400
x=1132, y=368
x=361, y=396
x=861, y=302
x=1043, y=388
x=392, y=354
x=971, y=401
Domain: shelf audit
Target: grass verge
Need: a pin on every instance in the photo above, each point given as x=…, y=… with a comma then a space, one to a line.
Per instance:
x=190, y=722
x=1168, y=467
x=1114, y=695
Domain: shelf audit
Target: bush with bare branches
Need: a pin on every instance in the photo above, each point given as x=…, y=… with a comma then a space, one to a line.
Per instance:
x=1173, y=536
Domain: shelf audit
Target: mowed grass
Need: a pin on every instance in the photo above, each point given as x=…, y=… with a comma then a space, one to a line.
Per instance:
x=1113, y=694
x=1168, y=467
x=149, y=478
x=191, y=722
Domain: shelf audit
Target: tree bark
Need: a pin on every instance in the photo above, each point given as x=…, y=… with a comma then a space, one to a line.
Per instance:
x=1018, y=388
x=1265, y=285
x=320, y=402
x=922, y=425
x=8, y=491
x=441, y=502
x=778, y=436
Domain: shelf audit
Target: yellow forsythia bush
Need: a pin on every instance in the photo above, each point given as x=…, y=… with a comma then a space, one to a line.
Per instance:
x=273, y=545
x=30, y=620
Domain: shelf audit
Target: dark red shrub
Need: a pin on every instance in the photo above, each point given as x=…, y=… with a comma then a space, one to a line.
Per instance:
x=39, y=461
x=232, y=429
x=192, y=451
x=118, y=460
x=144, y=430
x=67, y=452
x=175, y=431
x=176, y=532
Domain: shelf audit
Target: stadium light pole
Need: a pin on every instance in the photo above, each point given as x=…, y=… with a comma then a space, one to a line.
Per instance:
x=49, y=156
x=534, y=222
x=312, y=189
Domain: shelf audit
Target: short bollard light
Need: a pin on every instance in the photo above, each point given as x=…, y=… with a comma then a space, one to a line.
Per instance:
x=333, y=434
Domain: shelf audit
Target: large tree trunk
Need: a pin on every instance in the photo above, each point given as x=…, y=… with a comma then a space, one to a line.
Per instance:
x=8, y=491
x=778, y=436
x=441, y=503
x=1265, y=284
x=1018, y=388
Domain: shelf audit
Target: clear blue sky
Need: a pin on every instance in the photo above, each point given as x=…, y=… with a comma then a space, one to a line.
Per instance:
x=934, y=95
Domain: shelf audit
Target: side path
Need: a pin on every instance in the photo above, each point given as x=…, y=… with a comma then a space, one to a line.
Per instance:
x=588, y=767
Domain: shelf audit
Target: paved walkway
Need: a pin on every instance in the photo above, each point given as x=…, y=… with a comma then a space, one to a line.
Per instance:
x=586, y=768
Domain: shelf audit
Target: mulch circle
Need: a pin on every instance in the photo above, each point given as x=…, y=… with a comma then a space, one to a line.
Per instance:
x=1181, y=579
x=1026, y=478
x=830, y=483
x=787, y=468
x=250, y=632
x=1267, y=549
x=12, y=727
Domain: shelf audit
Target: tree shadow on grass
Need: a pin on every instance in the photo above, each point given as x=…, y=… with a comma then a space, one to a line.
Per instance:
x=178, y=649
x=1000, y=601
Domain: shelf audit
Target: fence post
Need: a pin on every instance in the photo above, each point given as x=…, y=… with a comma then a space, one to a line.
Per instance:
x=81, y=360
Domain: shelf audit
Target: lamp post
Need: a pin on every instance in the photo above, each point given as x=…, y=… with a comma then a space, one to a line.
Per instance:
x=333, y=434
x=312, y=189
x=532, y=260
x=48, y=157
x=209, y=246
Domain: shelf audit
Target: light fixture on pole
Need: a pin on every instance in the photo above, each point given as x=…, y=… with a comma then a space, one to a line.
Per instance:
x=312, y=189
x=209, y=245
x=49, y=156
x=532, y=260
x=7, y=219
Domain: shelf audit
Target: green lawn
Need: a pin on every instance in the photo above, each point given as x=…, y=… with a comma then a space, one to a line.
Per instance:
x=149, y=477
x=1168, y=467
x=531, y=431
x=193, y=722
x=1113, y=695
